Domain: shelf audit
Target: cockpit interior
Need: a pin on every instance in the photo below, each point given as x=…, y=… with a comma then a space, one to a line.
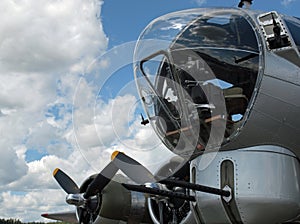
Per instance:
x=204, y=78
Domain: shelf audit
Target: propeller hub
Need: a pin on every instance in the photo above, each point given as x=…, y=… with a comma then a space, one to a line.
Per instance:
x=75, y=199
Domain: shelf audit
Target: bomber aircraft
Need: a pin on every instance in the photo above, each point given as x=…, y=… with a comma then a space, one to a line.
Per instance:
x=220, y=87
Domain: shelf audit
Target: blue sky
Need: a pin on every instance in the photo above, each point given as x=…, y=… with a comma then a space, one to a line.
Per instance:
x=124, y=20
x=45, y=48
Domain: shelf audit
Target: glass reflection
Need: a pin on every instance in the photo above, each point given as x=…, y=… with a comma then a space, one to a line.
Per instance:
x=202, y=81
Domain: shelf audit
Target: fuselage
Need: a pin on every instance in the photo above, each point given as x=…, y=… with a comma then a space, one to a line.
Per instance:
x=273, y=117
x=221, y=89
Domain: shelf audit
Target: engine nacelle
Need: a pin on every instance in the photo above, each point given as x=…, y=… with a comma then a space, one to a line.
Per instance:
x=184, y=213
x=117, y=203
x=121, y=204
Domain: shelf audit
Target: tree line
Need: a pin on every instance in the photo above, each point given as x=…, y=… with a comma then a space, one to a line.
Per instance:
x=17, y=221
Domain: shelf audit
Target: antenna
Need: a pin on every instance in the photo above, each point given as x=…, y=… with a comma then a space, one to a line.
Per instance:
x=144, y=121
x=247, y=3
x=276, y=28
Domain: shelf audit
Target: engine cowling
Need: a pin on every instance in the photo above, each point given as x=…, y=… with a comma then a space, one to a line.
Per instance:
x=116, y=203
x=181, y=208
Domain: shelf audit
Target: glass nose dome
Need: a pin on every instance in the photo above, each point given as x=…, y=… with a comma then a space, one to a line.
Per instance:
x=196, y=71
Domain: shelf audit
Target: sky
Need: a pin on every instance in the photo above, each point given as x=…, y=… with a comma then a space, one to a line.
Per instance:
x=67, y=96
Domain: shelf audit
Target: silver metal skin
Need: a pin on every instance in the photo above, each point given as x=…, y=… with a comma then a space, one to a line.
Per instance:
x=259, y=159
x=266, y=185
x=274, y=115
x=266, y=176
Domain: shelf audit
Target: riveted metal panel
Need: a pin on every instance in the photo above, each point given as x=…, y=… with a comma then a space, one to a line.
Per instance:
x=266, y=185
x=274, y=118
x=209, y=206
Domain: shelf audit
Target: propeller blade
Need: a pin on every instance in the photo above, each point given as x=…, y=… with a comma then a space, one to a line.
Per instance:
x=65, y=182
x=101, y=180
x=132, y=168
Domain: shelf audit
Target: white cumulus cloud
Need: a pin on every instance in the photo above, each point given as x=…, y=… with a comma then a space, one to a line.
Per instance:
x=200, y=2
x=287, y=2
x=44, y=48
x=40, y=36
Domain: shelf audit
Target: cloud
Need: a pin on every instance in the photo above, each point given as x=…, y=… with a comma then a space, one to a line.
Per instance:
x=28, y=206
x=287, y=2
x=12, y=167
x=48, y=35
x=200, y=2
x=45, y=46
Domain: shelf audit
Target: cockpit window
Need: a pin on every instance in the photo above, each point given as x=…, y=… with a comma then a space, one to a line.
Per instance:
x=293, y=25
x=217, y=74
x=220, y=31
x=197, y=92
